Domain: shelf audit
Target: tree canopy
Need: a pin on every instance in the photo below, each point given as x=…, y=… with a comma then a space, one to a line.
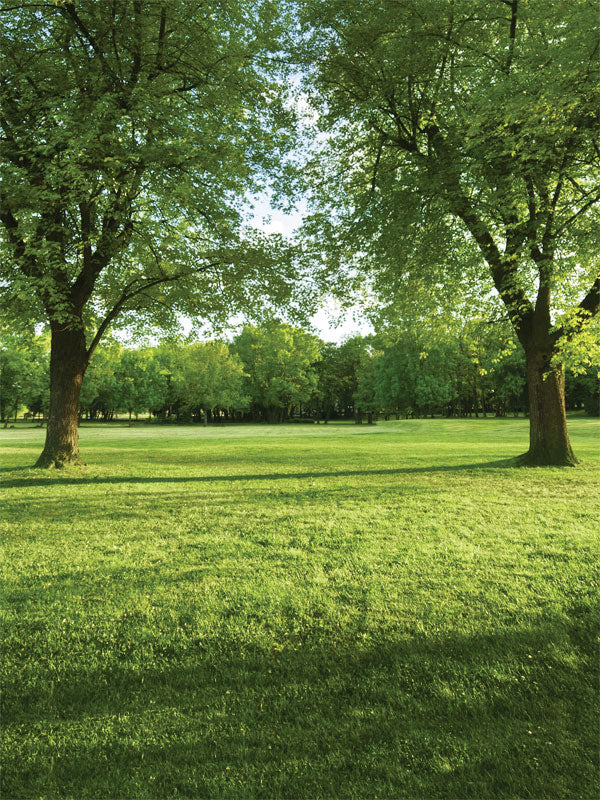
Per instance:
x=131, y=136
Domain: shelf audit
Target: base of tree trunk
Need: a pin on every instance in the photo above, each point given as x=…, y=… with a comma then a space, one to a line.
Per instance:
x=58, y=461
x=544, y=458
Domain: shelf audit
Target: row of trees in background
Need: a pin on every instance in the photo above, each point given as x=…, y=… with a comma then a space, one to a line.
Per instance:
x=276, y=372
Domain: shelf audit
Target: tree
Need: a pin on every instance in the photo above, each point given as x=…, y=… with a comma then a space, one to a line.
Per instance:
x=326, y=396
x=365, y=397
x=419, y=371
x=338, y=369
x=279, y=361
x=142, y=386
x=166, y=364
x=508, y=382
x=131, y=132
x=103, y=392
x=463, y=134
x=397, y=373
x=37, y=398
x=346, y=368
x=583, y=391
x=21, y=363
x=210, y=377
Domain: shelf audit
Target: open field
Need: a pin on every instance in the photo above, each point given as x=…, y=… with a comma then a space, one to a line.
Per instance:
x=301, y=612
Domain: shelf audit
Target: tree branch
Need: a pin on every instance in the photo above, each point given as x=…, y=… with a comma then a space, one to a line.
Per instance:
x=376, y=165
x=512, y=34
x=129, y=292
x=591, y=302
x=502, y=269
x=12, y=228
x=70, y=12
x=583, y=208
x=160, y=46
x=587, y=308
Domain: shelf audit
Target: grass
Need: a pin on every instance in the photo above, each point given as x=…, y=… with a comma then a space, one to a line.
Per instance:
x=301, y=612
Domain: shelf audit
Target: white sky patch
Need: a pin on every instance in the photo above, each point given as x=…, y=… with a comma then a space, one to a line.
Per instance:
x=334, y=325
x=271, y=220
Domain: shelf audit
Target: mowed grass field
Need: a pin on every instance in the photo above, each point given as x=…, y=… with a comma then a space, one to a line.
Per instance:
x=301, y=611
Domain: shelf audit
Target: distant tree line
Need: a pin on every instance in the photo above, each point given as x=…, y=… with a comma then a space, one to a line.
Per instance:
x=276, y=372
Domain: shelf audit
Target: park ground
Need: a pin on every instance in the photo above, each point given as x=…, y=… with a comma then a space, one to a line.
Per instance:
x=301, y=611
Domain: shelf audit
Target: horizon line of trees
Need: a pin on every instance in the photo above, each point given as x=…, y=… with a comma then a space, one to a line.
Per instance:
x=276, y=372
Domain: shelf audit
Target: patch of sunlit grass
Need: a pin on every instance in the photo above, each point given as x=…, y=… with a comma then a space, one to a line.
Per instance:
x=300, y=611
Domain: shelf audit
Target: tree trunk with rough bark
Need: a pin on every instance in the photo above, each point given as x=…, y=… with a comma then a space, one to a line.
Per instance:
x=548, y=435
x=68, y=362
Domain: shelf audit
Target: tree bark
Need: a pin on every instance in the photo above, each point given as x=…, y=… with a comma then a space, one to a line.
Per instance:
x=68, y=362
x=549, y=443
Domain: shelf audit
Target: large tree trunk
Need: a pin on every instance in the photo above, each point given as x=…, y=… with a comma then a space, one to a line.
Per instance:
x=548, y=435
x=68, y=362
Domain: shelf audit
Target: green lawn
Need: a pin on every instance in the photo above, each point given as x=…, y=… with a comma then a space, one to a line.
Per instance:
x=301, y=612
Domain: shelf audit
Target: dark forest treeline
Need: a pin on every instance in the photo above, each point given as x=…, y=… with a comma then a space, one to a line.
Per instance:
x=276, y=372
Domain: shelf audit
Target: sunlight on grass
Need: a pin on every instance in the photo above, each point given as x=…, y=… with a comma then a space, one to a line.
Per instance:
x=300, y=611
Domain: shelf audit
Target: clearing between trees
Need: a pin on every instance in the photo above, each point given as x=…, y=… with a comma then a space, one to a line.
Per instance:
x=300, y=611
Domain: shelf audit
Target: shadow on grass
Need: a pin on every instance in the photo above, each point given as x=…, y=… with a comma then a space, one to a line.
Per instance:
x=163, y=714
x=39, y=479
x=149, y=508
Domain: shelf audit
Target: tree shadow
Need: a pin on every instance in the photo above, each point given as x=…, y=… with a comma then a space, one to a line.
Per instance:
x=36, y=480
x=174, y=500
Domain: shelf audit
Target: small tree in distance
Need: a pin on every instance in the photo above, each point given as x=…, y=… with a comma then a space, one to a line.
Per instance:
x=210, y=377
x=280, y=364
